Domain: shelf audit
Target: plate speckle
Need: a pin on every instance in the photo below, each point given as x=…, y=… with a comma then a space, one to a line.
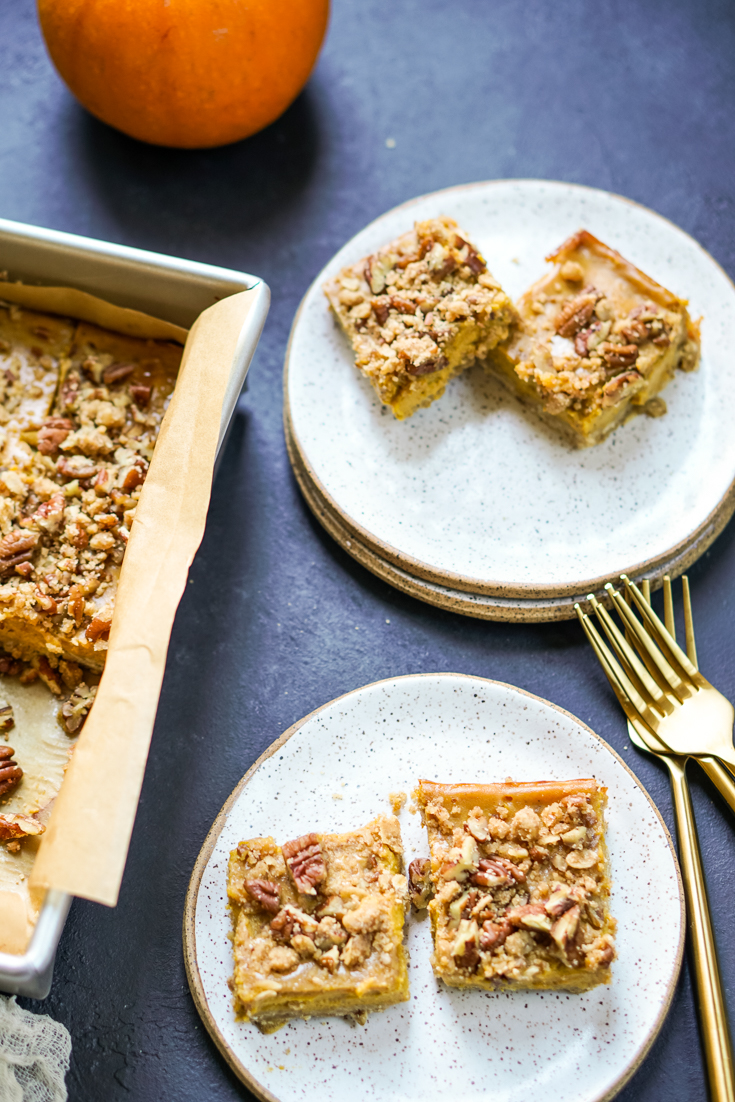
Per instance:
x=450, y=727
x=478, y=487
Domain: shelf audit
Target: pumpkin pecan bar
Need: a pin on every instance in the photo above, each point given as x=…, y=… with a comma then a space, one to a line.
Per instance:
x=72, y=467
x=521, y=884
x=318, y=925
x=419, y=311
x=598, y=339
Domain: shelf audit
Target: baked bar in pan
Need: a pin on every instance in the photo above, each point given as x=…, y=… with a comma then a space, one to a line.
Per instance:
x=81, y=420
x=598, y=339
x=419, y=311
x=520, y=881
x=318, y=925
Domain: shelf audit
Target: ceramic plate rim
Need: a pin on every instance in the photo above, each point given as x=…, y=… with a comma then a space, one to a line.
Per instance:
x=193, y=976
x=703, y=535
x=512, y=610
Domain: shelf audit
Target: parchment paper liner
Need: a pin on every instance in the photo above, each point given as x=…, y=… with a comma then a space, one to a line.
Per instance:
x=84, y=848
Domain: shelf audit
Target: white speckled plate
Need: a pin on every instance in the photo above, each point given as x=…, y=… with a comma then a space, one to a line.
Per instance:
x=333, y=771
x=475, y=493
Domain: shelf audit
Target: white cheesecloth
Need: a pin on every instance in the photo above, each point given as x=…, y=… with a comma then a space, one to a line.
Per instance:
x=34, y=1055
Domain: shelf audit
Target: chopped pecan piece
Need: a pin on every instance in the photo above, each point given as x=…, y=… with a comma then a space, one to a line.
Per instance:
x=576, y=313
x=473, y=260
x=428, y=366
x=50, y=677
x=532, y=916
x=493, y=934
x=16, y=547
x=619, y=355
x=494, y=871
x=265, y=892
x=7, y=719
x=305, y=862
x=292, y=920
x=465, y=948
x=11, y=773
x=141, y=395
x=49, y=515
x=381, y=309
x=98, y=629
x=74, y=710
x=19, y=826
x=52, y=433
x=419, y=883
x=403, y=305
x=115, y=373
x=565, y=928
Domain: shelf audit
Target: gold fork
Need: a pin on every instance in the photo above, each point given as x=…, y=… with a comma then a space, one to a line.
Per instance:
x=662, y=710
x=675, y=701
x=710, y=1000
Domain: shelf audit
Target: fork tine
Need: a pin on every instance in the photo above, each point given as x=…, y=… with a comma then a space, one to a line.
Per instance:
x=646, y=590
x=658, y=631
x=669, y=608
x=667, y=677
x=630, y=699
x=628, y=658
x=689, y=623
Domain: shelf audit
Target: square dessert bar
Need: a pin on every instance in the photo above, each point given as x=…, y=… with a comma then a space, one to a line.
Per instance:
x=318, y=925
x=521, y=884
x=419, y=311
x=598, y=339
x=79, y=418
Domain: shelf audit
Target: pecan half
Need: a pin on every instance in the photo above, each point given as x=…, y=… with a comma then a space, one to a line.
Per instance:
x=494, y=871
x=115, y=373
x=621, y=387
x=16, y=547
x=493, y=934
x=575, y=314
x=74, y=710
x=265, y=892
x=419, y=883
x=11, y=773
x=52, y=433
x=305, y=862
x=76, y=467
x=619, y=355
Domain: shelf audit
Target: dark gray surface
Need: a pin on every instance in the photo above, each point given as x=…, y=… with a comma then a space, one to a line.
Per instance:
x=637, y=98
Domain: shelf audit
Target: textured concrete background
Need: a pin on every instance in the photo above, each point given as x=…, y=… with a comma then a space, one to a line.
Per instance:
x=276, y=620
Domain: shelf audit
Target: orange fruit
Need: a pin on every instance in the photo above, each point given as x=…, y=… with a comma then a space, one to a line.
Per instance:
x=185, y=73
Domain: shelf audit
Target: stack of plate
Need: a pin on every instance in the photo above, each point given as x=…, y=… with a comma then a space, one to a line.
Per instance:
x=475, y=505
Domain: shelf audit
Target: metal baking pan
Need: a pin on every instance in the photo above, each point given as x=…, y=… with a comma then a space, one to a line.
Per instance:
x=166, y=287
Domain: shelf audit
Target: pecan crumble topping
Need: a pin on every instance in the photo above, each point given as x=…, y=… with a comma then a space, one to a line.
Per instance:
x=521, y=886
x=589, y=355
x=419, y=311
x=318, y=924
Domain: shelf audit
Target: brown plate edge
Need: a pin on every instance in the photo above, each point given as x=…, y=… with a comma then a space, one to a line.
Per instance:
x=704, y=535
x=421, y=588
x=188, y=927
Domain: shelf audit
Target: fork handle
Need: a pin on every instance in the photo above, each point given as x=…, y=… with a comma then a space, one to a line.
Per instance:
x=721, y=777
x=712, y=1010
